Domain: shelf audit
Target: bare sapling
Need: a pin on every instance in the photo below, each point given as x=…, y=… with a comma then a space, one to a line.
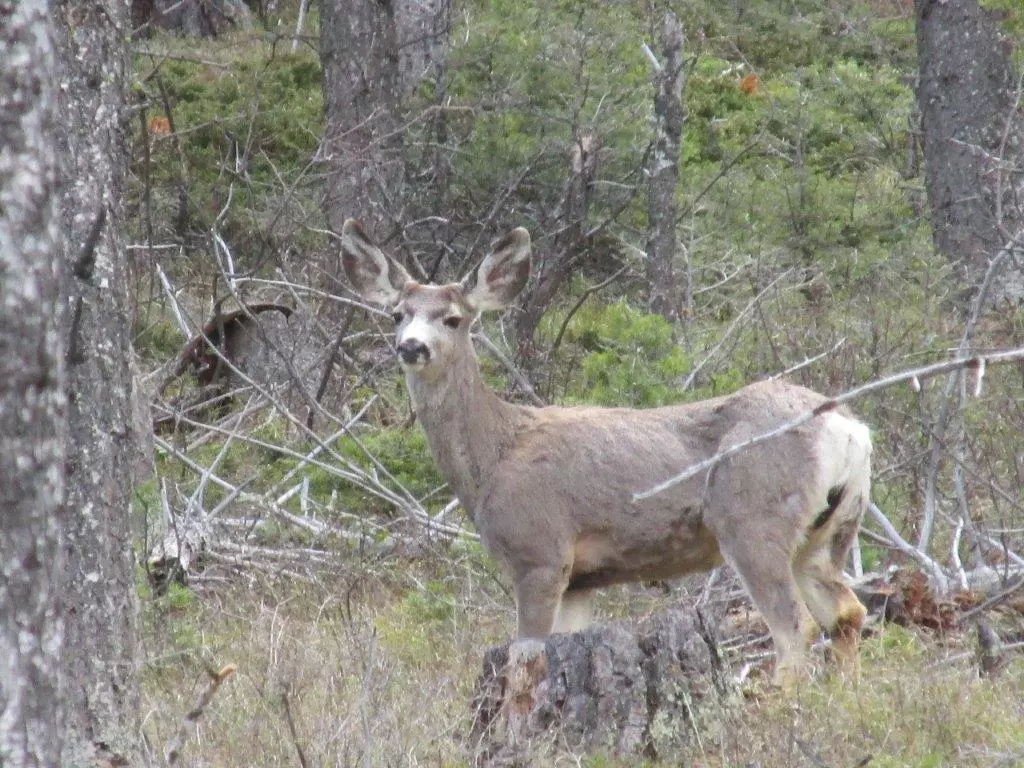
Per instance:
x=551, y=489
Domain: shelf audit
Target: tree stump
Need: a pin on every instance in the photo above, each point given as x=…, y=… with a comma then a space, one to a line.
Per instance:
x=614, y=688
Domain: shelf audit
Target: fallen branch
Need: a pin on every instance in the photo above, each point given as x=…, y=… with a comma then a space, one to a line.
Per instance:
x=937, y=577
x=993, y=601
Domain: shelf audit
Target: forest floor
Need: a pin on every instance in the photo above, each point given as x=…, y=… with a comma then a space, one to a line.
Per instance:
x=377, y=666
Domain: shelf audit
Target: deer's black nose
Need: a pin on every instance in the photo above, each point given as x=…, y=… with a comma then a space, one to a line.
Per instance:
x=413, y=351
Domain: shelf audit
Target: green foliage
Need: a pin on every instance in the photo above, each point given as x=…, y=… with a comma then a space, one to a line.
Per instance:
x=821, y=175
x=532, y=72
x=402, y=451
x=160, y=340
x=629, y=357
x=415, y=629
x=434, y=604
x=1010, y=14
x=146, y=509
x=266, y=102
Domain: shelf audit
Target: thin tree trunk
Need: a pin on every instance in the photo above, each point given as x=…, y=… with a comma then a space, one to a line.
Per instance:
x=100, y=685
x=966, y=95
x=669, y=116
x=33, y=416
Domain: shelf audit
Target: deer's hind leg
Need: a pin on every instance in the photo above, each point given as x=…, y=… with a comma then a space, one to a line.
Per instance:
x=764, y=566
x=818, y=566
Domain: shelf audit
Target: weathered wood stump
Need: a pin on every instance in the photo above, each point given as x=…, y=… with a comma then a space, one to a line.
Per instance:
x=614, y=688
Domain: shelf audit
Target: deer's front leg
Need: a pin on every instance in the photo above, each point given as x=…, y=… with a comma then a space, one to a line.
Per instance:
x=538, y=592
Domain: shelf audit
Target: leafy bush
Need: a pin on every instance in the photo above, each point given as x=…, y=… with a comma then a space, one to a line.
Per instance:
x=623, y=356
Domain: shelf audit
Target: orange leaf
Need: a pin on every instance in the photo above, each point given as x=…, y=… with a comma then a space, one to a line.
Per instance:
x=160, y=126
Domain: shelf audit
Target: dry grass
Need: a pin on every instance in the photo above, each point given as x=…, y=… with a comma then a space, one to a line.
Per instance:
x=376, y=668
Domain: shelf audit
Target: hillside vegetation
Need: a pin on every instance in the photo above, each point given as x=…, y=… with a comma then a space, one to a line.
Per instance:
x=354, y=598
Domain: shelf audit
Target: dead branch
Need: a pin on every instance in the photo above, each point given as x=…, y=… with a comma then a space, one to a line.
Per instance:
x=177, y=744
x=993, y=601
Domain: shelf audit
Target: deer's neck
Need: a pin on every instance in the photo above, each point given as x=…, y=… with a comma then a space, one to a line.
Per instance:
x=468, y=427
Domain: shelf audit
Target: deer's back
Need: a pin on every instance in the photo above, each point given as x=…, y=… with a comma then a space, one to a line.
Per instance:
x=572, y=473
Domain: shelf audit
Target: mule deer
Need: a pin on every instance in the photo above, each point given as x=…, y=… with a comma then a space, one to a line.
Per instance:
x=551, y=489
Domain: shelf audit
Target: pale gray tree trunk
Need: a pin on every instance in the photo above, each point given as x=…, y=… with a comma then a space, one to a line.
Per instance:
x=663, y=172
x=966, y=95
x=33, y=414
x=100, y=685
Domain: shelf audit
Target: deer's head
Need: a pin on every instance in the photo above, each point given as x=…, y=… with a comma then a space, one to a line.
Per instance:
x=432, y=321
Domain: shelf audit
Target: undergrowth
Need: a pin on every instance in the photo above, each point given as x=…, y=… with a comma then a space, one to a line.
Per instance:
x=379, y=668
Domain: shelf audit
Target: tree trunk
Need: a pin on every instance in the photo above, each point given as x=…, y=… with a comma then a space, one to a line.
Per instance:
x=423, y=27
x=359, y=53
x=195, y=18
x=100, y=685
x=610, y=688
x=966, y=96
x=33, y=416
x=669, y=116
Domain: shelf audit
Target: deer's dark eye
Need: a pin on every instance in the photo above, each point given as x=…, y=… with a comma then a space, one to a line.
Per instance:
x=397, y=317
x=453, y=321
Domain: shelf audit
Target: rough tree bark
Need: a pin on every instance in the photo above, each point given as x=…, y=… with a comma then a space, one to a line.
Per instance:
x=359, y=54
x=33, y=416
x=100, y=686
x=195, y=18
x=423, y=27
x=609, y=688
x=663, y=173
x=966, y=94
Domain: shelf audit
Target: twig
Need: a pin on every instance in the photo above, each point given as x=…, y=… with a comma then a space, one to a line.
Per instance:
x=177, y=744
x=182, y=324
x=732, y=327
x=940, y=582
x=579, y=303
x=284, y=696
x=520, y=379
x=808, y=361
x=993, y=601
x=830, y=404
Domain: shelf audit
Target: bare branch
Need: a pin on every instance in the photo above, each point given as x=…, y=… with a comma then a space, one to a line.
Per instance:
x=177, y=744
x=993, y=601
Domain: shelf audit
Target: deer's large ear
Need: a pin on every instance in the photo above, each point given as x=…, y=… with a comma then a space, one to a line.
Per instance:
x=502, y=275
x=374, y=276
